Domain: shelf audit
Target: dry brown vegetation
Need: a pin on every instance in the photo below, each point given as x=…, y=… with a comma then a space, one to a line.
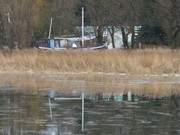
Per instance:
x=157, y=61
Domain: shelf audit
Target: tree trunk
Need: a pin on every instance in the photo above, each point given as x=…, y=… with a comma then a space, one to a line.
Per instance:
x=175, y=39
x=99, y=36
x=113, y=42
x=133, y=38
x=175, y=24
x=124, y=37
x=112, y=32
x=10, y=37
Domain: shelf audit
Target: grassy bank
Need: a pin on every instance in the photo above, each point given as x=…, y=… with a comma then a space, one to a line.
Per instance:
x=160, y=61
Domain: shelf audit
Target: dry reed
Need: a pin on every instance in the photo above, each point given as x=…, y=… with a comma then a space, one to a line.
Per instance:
x=160, y=61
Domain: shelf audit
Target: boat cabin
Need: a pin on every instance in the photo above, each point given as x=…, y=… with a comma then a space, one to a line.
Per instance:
x=58, y=43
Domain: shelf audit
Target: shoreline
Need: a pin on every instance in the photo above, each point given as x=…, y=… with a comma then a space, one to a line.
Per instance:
x=150, y=86
x=30, y=72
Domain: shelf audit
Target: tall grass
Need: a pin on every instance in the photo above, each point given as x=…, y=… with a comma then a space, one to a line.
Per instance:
x=160, y=61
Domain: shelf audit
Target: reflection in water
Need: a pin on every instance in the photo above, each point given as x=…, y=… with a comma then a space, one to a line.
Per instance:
x=142, y=85
x=71, y=99
x=105, y=114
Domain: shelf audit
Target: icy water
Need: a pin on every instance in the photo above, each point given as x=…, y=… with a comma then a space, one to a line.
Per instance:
x=58, y=113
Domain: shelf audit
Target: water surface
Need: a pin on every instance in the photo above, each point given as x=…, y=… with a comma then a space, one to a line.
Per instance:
x=41, y=113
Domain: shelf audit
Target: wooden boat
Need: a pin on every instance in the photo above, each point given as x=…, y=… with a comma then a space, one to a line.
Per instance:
x=59, y=44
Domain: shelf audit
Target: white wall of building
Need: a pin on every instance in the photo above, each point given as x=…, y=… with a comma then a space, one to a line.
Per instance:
x=117, y=39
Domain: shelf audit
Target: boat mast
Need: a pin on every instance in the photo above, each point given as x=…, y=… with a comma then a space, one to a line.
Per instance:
x=82, y=38
x=50, y=28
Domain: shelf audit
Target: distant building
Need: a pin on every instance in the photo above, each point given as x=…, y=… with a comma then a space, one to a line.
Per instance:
x=90, y=30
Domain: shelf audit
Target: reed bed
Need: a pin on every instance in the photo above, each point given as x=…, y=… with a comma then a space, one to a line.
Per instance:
x=148, y=61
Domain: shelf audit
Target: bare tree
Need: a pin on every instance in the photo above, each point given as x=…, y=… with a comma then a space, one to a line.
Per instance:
x=168, y=14
x=19, y=21
x=114, y=15
x=65, y=19
x=97, y=12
